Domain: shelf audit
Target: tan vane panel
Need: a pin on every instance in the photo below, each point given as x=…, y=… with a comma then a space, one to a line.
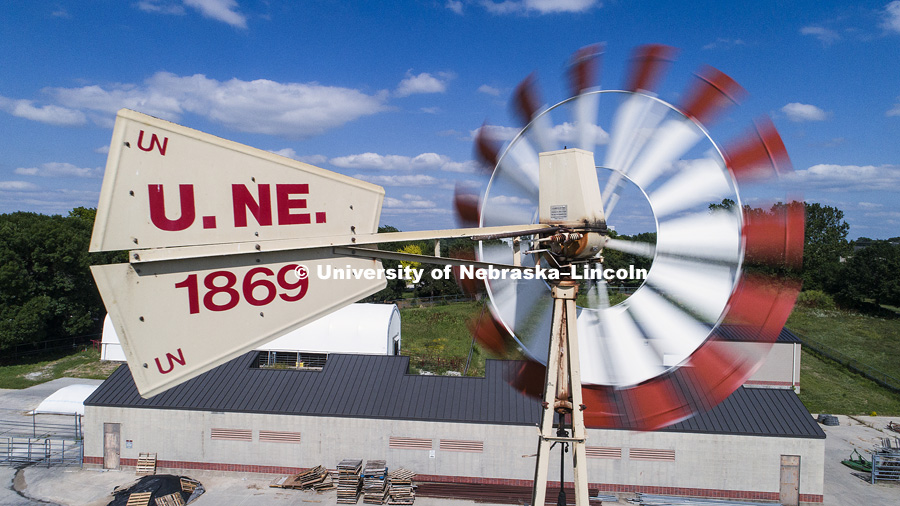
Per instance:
x=168, y=185
x=177, y=319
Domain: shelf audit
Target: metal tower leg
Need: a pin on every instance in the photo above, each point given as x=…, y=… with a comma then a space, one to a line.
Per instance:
x=562, y=394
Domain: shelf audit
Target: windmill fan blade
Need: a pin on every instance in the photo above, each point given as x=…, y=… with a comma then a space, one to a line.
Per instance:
x=669, y=142
x=467, y=206
x=524, y=305
x=698, y=181
x=643, y=249
x=647, y=66
x=758, y=154
x=623, y=357
x=526, y=105
x=712, y=93
x=520, y=166
x=670, y=331
x=486, y=149
x=701, y=287
x=497, y=213
x=583, y=69
x=491, y=334
x=635, y=121
x=776, y=237
x=701, y=236
x=582, y=77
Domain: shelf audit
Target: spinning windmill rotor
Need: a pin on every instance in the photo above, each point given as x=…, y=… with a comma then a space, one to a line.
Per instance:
x=224, y=240
x=718, y=291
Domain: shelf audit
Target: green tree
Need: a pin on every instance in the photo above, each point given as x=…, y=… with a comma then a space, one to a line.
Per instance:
x=824, y=246
x=873, y=272
x=48, y=291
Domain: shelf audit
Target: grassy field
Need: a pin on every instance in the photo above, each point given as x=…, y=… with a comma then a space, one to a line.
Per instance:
x=437, y=338
x=83, y=364
x=871, y=340
x=826, y=387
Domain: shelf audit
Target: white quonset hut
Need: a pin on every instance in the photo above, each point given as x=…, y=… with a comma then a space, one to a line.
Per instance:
x=475, y=434
x=358, y=328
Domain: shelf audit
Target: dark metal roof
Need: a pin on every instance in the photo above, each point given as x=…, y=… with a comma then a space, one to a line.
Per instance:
x=378, y=386
x=738, y=333
x=755, y=412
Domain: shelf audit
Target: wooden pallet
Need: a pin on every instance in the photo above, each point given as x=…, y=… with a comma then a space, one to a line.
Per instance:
x=189, y=485
x=173, y=499
x=146, y=464
x=139, y=499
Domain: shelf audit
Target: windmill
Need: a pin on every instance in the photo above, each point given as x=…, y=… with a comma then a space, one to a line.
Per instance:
x=225, y=242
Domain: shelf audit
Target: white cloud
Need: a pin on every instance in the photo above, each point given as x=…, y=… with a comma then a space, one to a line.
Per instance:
x=849, y=177
x=50, y=114
x=59, y=169
x=220, y=10
x=295, y=110
x=160, y=6
x=430, y=110
x=796, y=111
x=455, y=6
x=569, y=133
x=286, y=152
x=538, y=6
x=891, y=19
x=894, y=111
x=870, y=205
x=409, y=201
x=423, y=83
x=826, y=36
x=17, y=186
x=424, y=161
x=721, y=43
x=496, y=133
x=103, y=150
x=408, y=180
x=489, y=90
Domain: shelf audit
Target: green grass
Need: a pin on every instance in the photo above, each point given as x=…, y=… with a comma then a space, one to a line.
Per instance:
x=868, y=339
x=83, y=364
x=437, y=338
x=827, y=387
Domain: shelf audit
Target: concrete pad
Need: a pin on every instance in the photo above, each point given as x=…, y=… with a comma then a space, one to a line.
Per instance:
x=844, y=486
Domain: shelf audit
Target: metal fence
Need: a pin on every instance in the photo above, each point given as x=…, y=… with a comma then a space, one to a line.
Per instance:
x=867, y=371
x=18, y=451
x=885, y=466
x=63, y=344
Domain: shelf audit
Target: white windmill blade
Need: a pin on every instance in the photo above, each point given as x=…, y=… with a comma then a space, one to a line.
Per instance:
x=639, y=248
x=697, y=182
x=630, y=361
x=713, y=236
x=635, y=121
x=700, y=287
x=670, y=331
x=584, y=112
x=540, y=131
x=506, y=210
x=519, y=166
x=670, y=141
x=524, y=304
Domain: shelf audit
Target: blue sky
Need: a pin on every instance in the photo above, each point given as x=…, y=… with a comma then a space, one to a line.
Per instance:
x=393, y=92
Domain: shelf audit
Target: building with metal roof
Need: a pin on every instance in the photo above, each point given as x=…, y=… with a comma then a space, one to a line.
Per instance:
x=475, y=431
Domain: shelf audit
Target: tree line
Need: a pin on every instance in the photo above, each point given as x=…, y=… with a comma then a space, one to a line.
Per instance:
x=47, y=292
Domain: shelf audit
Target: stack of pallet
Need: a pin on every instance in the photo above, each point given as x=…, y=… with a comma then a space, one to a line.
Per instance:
x=317, y=478
x=401, y=487
x=146, y=464
x=349, y=482
x=375, y=488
